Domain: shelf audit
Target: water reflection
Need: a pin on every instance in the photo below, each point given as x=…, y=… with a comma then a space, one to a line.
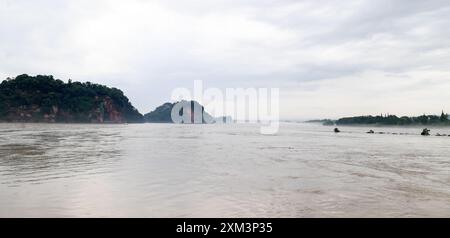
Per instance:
x=35, y=155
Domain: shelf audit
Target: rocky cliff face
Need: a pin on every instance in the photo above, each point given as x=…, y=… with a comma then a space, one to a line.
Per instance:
x=43, y=99
x=104, y=112
x=108, y=112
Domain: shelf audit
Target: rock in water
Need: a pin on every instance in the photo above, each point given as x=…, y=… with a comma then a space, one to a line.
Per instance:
x=425, y=132
x=371, y=132
x=336, y=130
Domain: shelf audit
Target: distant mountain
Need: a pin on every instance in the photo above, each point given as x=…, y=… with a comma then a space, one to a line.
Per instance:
x=45, y=99
x=163, y=113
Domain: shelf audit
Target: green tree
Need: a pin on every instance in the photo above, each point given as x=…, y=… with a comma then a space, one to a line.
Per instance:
x=444, y=117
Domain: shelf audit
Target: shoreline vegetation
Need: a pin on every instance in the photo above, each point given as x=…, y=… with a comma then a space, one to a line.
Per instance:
x=43, y=99
x=388, y=120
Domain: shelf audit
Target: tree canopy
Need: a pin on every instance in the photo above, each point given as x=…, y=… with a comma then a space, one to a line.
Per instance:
x=74, y=100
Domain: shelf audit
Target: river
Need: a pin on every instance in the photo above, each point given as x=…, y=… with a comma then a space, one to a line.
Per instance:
x=164, y=170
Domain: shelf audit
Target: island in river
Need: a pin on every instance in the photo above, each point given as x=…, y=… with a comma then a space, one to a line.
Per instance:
x=390, y=120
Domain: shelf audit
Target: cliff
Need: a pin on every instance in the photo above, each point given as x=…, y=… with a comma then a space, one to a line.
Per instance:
x=45, y=99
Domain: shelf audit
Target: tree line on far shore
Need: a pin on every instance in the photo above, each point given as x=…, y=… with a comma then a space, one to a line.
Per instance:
x=443, y=119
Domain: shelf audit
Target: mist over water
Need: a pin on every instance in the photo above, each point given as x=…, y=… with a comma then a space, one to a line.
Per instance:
x=165, y=170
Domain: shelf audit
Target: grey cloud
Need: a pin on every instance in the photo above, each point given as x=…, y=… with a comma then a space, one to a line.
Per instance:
x=147, y=48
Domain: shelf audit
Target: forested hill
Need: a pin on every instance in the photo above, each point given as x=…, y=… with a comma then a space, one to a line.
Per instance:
x=45, y=99
x=163, y=113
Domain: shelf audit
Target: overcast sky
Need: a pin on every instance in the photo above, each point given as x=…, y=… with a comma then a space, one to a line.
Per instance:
x=329, y=58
